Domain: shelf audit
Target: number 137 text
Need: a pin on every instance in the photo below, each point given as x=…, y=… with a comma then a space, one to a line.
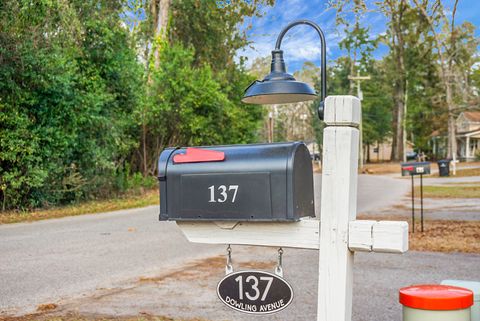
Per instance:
x=223, y=193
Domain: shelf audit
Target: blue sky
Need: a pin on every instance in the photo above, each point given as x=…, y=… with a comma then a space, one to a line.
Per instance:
x=301, y=43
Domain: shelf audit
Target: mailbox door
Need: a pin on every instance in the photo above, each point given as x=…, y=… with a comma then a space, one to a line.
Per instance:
x=301, y=195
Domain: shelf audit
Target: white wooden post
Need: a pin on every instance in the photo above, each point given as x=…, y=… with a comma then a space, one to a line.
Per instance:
x=338, y=207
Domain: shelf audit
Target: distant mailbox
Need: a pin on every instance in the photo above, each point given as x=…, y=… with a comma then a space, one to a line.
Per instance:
x=419, y=168
x=259, y=182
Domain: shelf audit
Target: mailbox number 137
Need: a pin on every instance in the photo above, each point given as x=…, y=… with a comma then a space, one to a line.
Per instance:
x=223, y=193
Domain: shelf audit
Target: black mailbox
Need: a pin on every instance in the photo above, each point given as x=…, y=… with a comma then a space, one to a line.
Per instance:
x=258, y=182
x=419, y=168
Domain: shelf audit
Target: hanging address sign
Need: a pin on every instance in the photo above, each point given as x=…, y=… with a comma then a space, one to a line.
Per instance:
x=255, y=292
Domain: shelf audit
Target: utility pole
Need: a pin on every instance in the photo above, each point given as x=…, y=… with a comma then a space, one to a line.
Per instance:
x=359, y=79
x=271, y=123
x=405, y=123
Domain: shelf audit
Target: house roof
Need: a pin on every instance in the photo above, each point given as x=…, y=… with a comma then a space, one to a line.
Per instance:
x=469, y=133
x=472, y=116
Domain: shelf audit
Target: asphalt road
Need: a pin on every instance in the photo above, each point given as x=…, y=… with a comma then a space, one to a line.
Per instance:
x=59, y=259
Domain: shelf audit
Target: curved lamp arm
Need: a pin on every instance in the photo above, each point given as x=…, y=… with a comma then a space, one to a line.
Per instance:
x=323, y=88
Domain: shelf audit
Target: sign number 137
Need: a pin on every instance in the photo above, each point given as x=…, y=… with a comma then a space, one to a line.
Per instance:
x=223, y=193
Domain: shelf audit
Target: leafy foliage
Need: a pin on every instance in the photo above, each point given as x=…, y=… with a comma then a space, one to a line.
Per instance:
x=68, y=85
x=376, y=102
x=193, y=90
x=77, y=90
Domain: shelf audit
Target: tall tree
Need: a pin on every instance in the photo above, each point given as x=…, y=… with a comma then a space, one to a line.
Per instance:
x=404, y=32
x=454, y=56
x=196, y=39
x=376, y=106
x=395, y=11
x=432, y=11
x=160, y=14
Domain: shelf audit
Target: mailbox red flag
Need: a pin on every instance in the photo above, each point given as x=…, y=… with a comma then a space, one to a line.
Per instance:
x=198, y=155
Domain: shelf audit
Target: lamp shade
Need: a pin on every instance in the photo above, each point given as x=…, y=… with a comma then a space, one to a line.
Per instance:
x=278, y=92
x=278, y=87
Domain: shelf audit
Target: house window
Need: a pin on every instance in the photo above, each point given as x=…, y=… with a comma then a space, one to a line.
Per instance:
x=473, y=143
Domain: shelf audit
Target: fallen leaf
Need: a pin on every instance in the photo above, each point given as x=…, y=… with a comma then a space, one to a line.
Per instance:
x=47, y=307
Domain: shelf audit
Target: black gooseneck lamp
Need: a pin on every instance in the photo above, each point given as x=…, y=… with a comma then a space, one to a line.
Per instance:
x=280, y=87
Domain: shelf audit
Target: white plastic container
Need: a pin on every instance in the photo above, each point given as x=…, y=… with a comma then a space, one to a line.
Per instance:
x=475, y=288
x=436, y=303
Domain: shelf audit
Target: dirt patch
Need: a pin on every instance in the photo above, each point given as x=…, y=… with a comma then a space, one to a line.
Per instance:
x=381, y=168
x=468, y=164
x=440, y=235
x=91, y=317
x=447, y=236
x=466, y=172
x=200, y=267
x=205, y=268
x=46, y=307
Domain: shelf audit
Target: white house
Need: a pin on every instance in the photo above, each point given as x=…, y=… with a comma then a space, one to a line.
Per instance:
x=468, y=135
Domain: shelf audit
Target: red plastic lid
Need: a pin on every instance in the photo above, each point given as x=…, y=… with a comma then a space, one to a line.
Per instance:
x=198, y=155
x=436, y=297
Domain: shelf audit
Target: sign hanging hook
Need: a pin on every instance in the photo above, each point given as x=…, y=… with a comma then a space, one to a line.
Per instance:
x=279, y=268
x=229, y=266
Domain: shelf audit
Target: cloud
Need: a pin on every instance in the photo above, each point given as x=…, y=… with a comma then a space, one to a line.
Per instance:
x=300, y=43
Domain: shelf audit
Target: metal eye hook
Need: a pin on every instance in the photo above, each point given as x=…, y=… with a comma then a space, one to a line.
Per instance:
x=229, y=266
x=279, y=268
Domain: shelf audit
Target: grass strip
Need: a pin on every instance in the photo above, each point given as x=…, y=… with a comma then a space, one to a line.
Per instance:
x=97, y=206
x=450, y=191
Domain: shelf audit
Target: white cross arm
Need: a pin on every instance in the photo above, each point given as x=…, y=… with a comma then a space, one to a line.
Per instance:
x=363, y=235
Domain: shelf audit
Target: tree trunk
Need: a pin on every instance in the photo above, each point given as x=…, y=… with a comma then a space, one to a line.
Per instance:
x=4, y=199
x=446, y=72
x=398, y=114
x=398, y=48
x=397, y=142
x=159, y=12
x=144, y=149
x=161, y=21
x=452, y=140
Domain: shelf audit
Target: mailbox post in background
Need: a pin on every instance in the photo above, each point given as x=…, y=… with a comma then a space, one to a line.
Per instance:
x=412, y=169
